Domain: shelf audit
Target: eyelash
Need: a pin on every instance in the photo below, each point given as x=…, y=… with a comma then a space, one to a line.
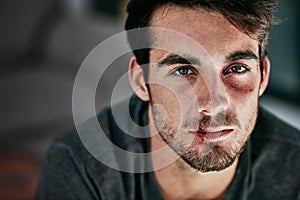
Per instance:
x=175, y=72
x=228, y=70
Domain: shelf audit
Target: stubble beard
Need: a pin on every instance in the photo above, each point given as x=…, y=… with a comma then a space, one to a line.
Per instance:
x=207, y=156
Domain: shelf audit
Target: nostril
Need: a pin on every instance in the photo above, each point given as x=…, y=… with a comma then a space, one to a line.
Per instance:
x=200, y=110
x=213, y=107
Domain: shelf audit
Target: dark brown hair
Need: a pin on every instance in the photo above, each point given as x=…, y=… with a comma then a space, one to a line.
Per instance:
x=252, y=17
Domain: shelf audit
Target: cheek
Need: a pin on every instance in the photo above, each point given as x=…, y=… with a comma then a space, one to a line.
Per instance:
x=243, y=86
x=165, y=97
x=161, y=93
x=244, y=99
x=178, y=100
x=166, y=109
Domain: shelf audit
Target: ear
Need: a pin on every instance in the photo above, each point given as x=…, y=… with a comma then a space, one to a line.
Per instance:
x=265, y=75
x=137, y=81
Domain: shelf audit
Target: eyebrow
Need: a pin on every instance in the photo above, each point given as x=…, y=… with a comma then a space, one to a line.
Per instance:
x=238, y=55
x=188, y=60
x=176, y=59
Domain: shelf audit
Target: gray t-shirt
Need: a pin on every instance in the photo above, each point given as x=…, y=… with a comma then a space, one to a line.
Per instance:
x=268, y=167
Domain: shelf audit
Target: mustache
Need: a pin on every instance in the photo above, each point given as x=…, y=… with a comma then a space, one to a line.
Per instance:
x=220, y=119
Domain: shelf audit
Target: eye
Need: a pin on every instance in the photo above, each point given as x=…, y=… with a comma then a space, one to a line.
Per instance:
x=237, y=69
x=183, y=71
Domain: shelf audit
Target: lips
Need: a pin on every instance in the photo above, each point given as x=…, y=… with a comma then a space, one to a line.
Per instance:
x=212, y=134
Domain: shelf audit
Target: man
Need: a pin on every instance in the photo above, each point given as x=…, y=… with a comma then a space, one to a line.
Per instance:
x=201, y=105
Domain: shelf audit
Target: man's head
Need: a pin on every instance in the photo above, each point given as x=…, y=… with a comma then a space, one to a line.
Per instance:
x=251, y=17
x=204, y=102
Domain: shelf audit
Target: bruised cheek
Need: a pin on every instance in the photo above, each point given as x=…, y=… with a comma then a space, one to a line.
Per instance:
x=244, y=86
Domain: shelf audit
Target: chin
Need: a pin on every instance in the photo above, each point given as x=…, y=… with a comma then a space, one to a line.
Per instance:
x=217, y=159
x=211, y=156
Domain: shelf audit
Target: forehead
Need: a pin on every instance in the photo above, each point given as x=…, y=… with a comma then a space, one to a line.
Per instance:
x=210, y=29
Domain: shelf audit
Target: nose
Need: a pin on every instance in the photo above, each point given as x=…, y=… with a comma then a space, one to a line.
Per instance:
x=212, y=96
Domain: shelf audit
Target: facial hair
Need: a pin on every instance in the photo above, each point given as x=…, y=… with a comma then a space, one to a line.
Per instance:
x=205, y=156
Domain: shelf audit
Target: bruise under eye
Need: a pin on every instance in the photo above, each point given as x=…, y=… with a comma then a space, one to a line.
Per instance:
x=241, y=81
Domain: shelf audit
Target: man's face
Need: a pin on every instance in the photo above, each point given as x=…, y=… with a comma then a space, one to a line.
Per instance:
x=205, y=111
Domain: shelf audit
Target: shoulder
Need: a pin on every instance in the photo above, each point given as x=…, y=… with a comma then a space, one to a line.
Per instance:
x=271, y=128
x=275, y=158
x=70, y=171
x=83, y=163
x=73, y=167
x=114, y=126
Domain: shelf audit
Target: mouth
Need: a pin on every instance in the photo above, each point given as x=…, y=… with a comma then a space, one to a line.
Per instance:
x=212, y=134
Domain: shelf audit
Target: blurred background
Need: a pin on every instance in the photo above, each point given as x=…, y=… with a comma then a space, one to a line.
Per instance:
x=42, y=45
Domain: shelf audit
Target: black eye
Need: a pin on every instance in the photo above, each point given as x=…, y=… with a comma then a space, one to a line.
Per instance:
x=239, y=69
x=183, y=71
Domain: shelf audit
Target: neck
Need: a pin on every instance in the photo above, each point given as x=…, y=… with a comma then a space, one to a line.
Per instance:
x=177, y=180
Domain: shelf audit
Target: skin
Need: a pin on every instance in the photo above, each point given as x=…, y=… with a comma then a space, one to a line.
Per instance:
x=219, y=93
